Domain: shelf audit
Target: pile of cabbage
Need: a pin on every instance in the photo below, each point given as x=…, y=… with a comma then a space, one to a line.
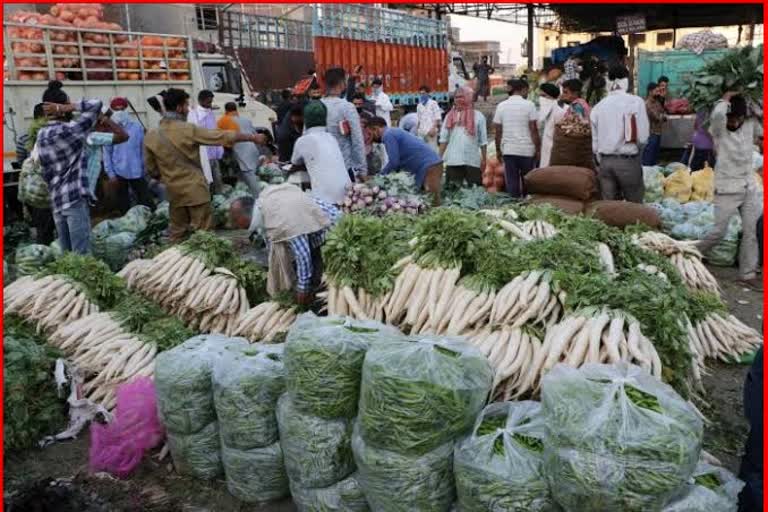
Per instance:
x=113, y=239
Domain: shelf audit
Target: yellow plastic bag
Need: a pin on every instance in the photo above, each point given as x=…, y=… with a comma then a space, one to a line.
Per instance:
x=679, y=185
x=703, y=185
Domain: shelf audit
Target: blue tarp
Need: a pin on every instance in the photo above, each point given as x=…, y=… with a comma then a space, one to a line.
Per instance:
x=606, y=48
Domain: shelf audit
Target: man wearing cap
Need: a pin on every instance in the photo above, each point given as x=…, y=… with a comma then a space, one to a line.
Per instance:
x=318, y=150
x=124, y=163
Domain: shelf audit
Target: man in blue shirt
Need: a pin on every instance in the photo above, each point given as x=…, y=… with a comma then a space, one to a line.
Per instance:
x=124, y=163
x=408, y=152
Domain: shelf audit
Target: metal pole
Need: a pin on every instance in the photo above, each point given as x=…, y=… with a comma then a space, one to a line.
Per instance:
x=127, y=18
x=530, y=37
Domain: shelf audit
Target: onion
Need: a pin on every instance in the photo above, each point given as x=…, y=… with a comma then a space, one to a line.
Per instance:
x=383, y=194
x=368, y=199
x=348, y=202
x=376, y=189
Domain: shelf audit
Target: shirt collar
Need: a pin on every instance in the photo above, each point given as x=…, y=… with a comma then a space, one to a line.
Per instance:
x=315, y=129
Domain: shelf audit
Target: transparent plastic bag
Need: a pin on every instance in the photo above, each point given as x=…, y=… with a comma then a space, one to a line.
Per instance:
x=324, y=362
x=135, y=219
x=345, y=496
x=725, y=252
x=417, y=395
x=317, y=452
x=183, y=380
x=405, y=483
x=713, y=489
x=246, y=386
x=197, y=455
x=119, y=446
x=499, y=466
x=256, y=475
x=618, y=438
x=653, y=179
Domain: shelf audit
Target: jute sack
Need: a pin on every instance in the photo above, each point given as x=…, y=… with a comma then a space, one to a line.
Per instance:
x=562, y=180
x=562, y=203
x=623, y=213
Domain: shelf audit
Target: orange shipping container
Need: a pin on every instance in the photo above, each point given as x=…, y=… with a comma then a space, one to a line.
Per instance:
x=403, y=68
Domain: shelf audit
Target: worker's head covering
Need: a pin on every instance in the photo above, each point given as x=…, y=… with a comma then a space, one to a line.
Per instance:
x=118, y=103
x=315, y=114
x=463, y=111
x=550, y=90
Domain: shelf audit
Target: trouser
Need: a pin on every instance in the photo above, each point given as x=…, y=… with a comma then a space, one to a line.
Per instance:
x=249, y=178
x=651, y=151
x=185, y=219
x=433, y=181
x=157, y=189
x=140, y=188
x=621, y=177
x=74, y=228
x=751, y=471
x=218, y=183
x=461, y=173
x=700, y=157
x=748, y=205
x=515, y=168
x=42, y=220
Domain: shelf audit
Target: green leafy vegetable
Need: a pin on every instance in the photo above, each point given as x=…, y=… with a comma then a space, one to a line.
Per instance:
x=98, y=282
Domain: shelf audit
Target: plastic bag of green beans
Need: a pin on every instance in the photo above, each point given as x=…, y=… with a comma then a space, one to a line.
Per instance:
x=324, y=362
x=246, y=386
x=712, y=488
x=618, y=438
x=197, y=455
x=499, y=466
x=345, y=496
x=316, y=451
x=183, y=381
x=417, y=395
x=255, y=475
x=405, y=483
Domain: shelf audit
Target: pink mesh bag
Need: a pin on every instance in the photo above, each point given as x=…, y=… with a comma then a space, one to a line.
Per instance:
x=119, y=446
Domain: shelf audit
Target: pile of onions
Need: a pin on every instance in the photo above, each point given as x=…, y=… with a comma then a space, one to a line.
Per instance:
x=493, y=177
x=362, y=198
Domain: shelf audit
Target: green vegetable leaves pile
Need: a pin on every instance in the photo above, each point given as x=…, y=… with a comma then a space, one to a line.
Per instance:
x=98, y=282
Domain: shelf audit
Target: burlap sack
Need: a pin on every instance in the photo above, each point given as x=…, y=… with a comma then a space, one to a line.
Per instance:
x=623, y=213
x=564, y=204
x=562, y=180
x=572, y=150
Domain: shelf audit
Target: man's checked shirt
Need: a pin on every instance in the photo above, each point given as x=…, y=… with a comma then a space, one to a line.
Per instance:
x=63, y=159
x=302, y=247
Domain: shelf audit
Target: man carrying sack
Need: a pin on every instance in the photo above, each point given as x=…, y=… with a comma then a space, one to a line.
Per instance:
x=294, y=224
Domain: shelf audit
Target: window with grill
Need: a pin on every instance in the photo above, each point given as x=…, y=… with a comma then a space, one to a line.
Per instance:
x=663, y=38
x=206, y=17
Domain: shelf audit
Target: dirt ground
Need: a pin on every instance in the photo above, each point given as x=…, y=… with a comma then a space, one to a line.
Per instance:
x=156, y=487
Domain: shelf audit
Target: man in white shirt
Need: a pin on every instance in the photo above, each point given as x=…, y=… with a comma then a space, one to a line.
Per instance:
x=343, y=122
x=517, y=135
x=620, y=129
x=384, y=106
x=429, y=117
x=319, y=152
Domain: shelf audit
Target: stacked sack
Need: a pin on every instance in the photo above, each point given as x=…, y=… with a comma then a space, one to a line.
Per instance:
x=500, y=465
x=183, y=378
x=562, y=186
x=417, y=397
x=247, y=383
x=323, y=362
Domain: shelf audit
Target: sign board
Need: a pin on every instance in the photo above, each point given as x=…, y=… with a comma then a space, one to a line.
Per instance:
x=630, y=24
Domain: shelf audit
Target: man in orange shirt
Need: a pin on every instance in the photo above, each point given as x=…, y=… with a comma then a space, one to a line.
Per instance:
x=228, y=121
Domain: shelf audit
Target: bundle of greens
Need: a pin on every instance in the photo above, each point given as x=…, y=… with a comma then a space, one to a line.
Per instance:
x=618, y=421
x=93, y=276
x=324, y=362
x=32, y=406
x=345, y=496
x=246, y=386
x=499, y=466
x=317, y=452
x=475, y=198
x=395, y=482
x=417, y=395
x=29, y=259
x=741, y=70
x=197, y=455
x=255, y=475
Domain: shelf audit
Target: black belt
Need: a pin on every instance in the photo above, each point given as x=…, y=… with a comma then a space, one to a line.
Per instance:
x=603, y=155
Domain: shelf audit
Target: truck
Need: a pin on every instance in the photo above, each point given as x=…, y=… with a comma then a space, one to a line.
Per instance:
x=404, y=50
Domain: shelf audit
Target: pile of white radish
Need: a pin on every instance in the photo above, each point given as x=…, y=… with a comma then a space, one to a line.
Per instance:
x=48, y=301
x=721, y=336
x=684, y=256
x=539, y=229
x=100, y=346
x=265, y=322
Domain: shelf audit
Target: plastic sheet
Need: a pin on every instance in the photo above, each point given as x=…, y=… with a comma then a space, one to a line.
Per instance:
x=417, y=395
x=317, y=452
x=246, y=387
x=713, y=489
x=119, y=446
x=405, y=483
x=618, y=438
x=345, y=496
x=197, y=455
x=499, y=466
x=324, y=362
x=255, y=475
